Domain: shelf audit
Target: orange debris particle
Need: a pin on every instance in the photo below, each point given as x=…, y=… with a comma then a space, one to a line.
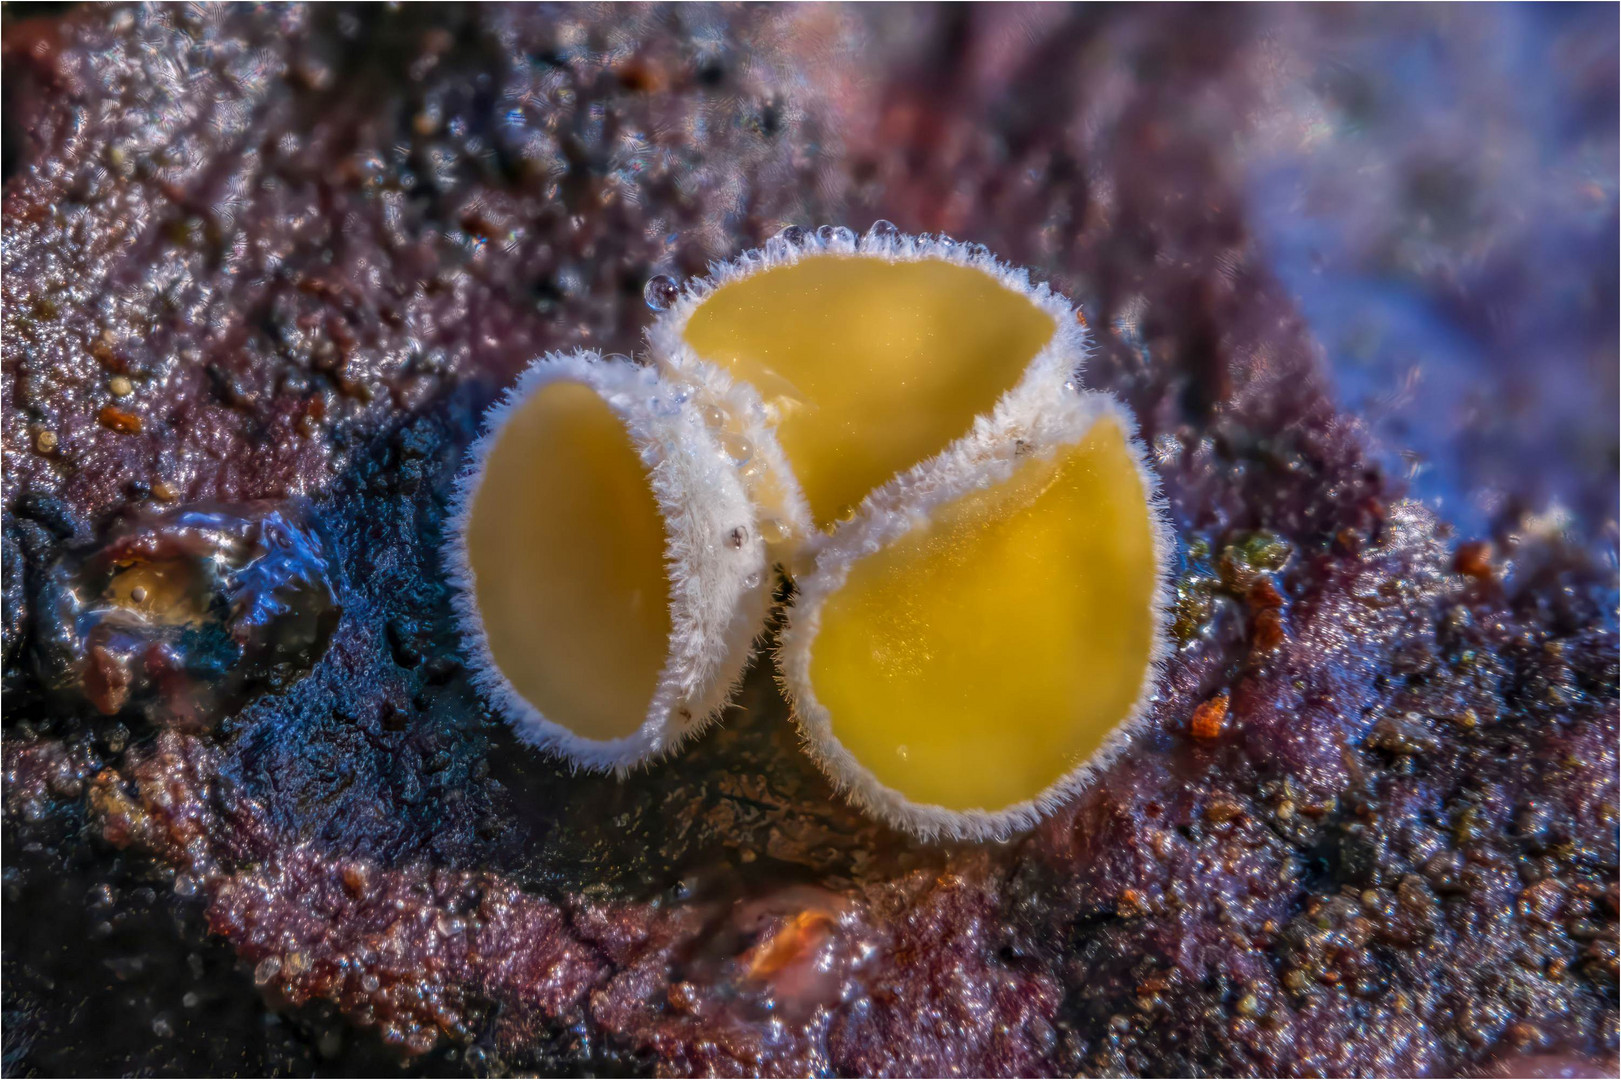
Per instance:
x=118, y=420
x=792, y=941
x=1474, y=559
x=1210, y=717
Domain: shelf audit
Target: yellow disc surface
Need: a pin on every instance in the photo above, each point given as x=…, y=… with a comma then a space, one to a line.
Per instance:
x=567, y=544
x=980, y=657
x=872, y=366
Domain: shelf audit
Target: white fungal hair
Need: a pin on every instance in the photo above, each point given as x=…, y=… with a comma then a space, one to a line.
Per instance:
x=716, y=560
x=1060, y=361
x=1023, y=425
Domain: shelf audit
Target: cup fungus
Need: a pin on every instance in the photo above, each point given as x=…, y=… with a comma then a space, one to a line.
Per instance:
x=980, y=636
x=843, y=362
x=978, y=544
x=610, y=575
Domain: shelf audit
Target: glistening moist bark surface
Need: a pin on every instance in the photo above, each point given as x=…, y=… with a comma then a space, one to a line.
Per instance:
x=290, y=255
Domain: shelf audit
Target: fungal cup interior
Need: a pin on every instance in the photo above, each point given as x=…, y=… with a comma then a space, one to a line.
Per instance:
x=990, y=649
x=870, y=365
x=567, y=546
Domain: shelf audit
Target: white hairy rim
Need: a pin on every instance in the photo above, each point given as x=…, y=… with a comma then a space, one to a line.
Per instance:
x=1058, y=362
x=1022, y=426
x=713, y=553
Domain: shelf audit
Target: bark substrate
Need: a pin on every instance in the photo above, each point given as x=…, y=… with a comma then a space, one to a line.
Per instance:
x=1369, y=828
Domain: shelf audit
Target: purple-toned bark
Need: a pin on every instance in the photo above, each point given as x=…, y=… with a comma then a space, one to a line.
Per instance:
x=316, y=243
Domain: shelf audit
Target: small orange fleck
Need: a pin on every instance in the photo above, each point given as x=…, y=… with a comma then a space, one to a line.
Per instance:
x=1210, y=717
x=119, y=420
x=1474, y=559
x=641, y=77
x=1264, y=596
x=1266, y=603
x=357, y=879
x=1522, y=1034
x=107, y=357
x=683, y=997
x=1269, y=633
x=797, y=937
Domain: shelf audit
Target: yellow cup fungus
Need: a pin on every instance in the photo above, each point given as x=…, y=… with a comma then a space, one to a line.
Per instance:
x=976, y=542
x=611, y=578
x=849, y=361
x=974, y=642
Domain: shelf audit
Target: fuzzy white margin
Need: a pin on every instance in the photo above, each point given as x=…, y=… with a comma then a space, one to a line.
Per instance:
x=719, y=588
x=988, y=455
x=1058, y=362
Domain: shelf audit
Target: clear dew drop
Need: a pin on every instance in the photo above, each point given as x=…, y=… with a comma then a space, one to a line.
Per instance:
x=752, y=581
x=739, y=449
x=661, y=291
x=880, y=232
x=846, y=513
x=773, y=531
x=836, y=235
x=793, y=236
x=713, y=416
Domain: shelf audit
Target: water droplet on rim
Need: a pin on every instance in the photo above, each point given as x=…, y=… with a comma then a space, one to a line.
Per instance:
x=661, y=292
x=836, y=234
x=738, y=448
x=880, y=232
